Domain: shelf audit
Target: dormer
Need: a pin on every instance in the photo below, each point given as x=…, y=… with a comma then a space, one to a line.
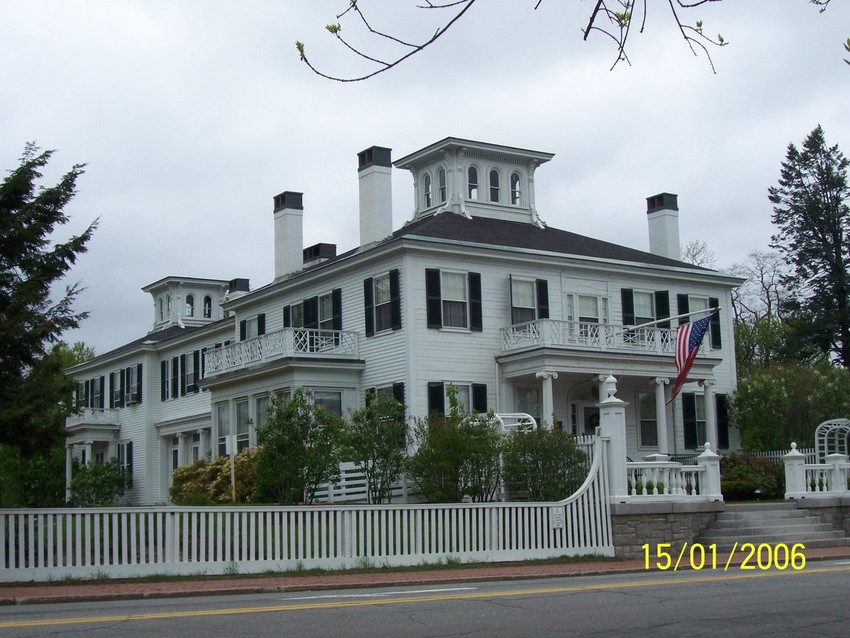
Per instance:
x=187, y=301
x=474, y=179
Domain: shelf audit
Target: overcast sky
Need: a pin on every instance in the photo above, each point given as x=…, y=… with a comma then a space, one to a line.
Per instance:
x=192, y=115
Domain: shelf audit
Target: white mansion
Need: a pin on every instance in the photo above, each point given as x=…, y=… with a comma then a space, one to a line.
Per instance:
x=474, y=291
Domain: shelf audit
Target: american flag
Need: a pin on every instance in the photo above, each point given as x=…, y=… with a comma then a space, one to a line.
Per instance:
x=688, y=339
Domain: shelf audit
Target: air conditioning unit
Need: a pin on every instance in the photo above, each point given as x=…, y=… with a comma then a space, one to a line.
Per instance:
x=131, y=398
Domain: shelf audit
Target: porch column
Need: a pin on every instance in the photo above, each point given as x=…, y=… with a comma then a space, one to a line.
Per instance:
x=69, y=470
x=548, y=401
x=203, y=443
x=87, y=449
x=710, y=414
x=661, y=414
x=181, y=449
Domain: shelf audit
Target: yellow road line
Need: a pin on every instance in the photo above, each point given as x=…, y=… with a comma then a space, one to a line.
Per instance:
x=716, y=577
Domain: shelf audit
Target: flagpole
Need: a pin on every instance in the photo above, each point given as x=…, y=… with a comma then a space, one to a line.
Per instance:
x=649, y=324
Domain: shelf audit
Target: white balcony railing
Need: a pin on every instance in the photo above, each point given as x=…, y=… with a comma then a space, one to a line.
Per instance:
x=92, y=416
x=289, y=342
x=544, y=333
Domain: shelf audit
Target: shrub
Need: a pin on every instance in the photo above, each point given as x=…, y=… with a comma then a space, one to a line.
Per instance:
x=545, y=464
x=741, y=474
x=208, y=482
x=457, y=455
x=98, y=484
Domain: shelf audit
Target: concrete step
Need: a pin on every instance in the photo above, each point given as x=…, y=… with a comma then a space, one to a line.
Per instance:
x=770, y=523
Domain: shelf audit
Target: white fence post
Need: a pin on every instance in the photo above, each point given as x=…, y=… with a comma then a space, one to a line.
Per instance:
x=837, y=477
x=711, y=485
x=795, y=473
x=612, y=425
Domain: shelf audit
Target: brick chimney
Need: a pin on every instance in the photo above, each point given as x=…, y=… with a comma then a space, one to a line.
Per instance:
x=662, y=213
x=288, y=233
x=374, y=169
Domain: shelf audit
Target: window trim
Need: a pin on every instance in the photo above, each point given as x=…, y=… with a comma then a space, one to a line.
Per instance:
x=370, y=309
x=641, y=419
x=434, y=301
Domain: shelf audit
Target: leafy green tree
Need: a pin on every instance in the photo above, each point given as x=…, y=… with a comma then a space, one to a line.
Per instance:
x=457, y=455
x=544, y=464
x=300, y=447
x=810, y=209
x=98, y=484
x=376, y=440
x=781, y=403
x=31, y=265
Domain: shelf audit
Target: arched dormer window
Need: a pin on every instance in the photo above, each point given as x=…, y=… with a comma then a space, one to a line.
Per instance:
x=426, y=182
x=168, y=306
x=516, y=190
x=161, y=315
x=494, y=185
x=441, y=185
x=190, y=305
x=207, y=307
x=472, y=182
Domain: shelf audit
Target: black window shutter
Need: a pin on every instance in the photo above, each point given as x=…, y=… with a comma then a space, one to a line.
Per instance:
x=87, y=393
x=112, y=383
x=479, y=397
x=102, y=392
x=628, y=302
x=542, y=298
x=395, y=299
x=662, y=307
x=183, y=376
x=722, y=412
x=129, y=460
x=311, y=312
x=287, y=317
x=203, y=364
x=683, y=306
x=196, y=368
x=175, y=377
x=714, y=302
x=369, y=306
x=689, y=412
x=139, y=396
x=163, y=380
x=475, y=314
x=261, y=324
x=122, y=374
x=243, y=330
x=436, y=398
x=371, y=393
x=336, y=303
x=433, y=303
x=398, y=392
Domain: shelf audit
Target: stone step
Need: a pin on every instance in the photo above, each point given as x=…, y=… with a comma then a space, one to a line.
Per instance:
x=765, y=522
x=767, y=527
x=761, y=506
x=749, y=515
x=727, y=545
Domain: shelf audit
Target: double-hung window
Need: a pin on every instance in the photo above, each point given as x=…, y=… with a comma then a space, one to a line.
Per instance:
x=691, y=303
x=529, y=299
x=469, y=396
x=453, y=299
x=222, y=415
x=243, y=425
x=648, y=419
x=253, y=327
x=427, y=190
x=382, y=303
x=330, y=400
x=326, y=312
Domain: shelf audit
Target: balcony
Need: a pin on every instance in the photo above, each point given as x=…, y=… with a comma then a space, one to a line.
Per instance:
x=88, y=417
x=282, y=344
x=551, y=333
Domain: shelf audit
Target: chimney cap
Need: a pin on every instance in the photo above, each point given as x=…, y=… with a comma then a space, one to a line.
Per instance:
x=374, y=156
x=239, y=285
x=662, y=201
x=319, y=251
x=288, y=199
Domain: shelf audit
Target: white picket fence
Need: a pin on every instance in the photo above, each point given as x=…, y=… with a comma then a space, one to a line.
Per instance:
x=53, y=544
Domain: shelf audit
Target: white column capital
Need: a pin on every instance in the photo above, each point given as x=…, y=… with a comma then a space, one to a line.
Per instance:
x=661, y=381
x=708, y=383
x=545, y=374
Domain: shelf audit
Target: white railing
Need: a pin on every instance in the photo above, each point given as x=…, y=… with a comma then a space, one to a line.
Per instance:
x=92, y=416
x=353, y=488
x=289, y=342
x=54, y=544
x=515, y=422
x=665, y=479
x=816, y=480
x=578, y=334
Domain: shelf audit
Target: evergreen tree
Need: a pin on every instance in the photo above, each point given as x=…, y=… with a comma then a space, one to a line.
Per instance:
x=810, y=208
x=31, y=265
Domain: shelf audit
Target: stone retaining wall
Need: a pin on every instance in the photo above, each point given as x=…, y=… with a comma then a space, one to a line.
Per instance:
x=635, y=524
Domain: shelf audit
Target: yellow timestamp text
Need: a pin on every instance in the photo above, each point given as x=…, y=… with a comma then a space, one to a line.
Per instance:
x=751, y=556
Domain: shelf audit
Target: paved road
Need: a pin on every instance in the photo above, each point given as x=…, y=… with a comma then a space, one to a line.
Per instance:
x=811, y=602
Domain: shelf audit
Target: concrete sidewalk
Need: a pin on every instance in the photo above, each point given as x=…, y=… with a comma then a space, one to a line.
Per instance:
x=33, y=593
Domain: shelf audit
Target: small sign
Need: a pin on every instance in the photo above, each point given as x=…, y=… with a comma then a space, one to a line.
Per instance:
x=230, y=444
x=557, y=516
